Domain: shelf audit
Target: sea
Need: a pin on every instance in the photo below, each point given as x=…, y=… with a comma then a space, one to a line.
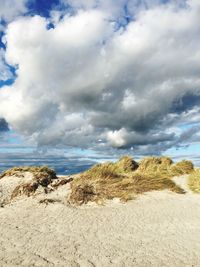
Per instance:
x=64, y=163
x=61, y=164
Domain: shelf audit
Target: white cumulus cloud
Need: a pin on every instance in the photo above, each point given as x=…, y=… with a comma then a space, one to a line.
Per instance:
x=84, y=80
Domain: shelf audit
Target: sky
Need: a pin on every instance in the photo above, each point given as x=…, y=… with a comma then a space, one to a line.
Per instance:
x=100, y=78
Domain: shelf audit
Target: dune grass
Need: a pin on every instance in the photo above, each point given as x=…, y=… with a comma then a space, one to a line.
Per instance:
x=42, y=176
x=182, y=167
x=194, y=181
x=156, y=166
x=32, y=169
x=164, y=167
x=26, y=189
x=115, y=180
x=124, y=179
x=126, y=164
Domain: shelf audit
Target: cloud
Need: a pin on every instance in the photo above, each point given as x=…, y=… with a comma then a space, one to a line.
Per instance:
x=85, y=80
x=124, y=139
x=10, y=9
x=119, y=8
x=5, y=72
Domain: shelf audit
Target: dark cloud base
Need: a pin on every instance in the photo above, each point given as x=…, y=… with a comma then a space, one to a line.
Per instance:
x=3, y=126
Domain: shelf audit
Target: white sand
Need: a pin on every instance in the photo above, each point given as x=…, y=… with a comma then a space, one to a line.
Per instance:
x=157, y=229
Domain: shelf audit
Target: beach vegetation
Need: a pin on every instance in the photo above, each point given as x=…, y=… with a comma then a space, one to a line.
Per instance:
x=194, y=181
x=182, y=167
x=41, y=176
x=111, y=180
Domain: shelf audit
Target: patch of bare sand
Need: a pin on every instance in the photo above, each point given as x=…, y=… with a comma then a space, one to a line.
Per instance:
x=156, y=229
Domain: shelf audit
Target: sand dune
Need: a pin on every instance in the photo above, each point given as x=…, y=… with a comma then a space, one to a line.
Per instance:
x=156, y=229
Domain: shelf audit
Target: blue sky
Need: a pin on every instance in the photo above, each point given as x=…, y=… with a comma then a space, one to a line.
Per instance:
x=100, y=78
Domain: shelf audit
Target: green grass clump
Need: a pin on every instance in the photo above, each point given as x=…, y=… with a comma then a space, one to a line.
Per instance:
x=108, y=181
x=194, y=181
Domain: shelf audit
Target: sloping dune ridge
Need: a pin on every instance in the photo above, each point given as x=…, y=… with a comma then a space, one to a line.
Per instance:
x=158, y=228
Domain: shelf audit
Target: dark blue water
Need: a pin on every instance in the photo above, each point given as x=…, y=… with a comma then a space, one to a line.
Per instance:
x=61, y=164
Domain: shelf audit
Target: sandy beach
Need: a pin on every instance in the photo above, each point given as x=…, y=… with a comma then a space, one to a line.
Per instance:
x=99, y=133
x=156, y=229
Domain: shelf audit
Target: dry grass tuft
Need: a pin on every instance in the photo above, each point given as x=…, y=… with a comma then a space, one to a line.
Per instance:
x=113, y=170
x=194, y=181
x=59, y=182
x=49, y=201
x=157, y=166
x=42, y=175
x=82, y=193
x=108, y=181
x=164, y=167
x=182, y=167
x=106, y=170
x=27, y=189
x=126, y=164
